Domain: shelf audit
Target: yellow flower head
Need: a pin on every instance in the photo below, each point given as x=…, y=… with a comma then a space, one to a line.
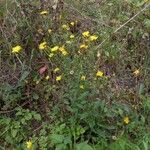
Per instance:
x=93, y=38
x=62, y=49
x=126, y=120
x=66, y=27
x=51, y=55
x=56, y=69
x=58, y=78
x=83, y=46
x=136, y=72
x=49, y=30
x=71, y=36
x=16, y=49
x=43, y=12
x=86, y=34
x=83, y=78
x=64, y=53
x=54, y=49
x=29, y=144
x=42, y=45
x=99, y=74
x=47, y=77
x=72, y=23
x=81, y=87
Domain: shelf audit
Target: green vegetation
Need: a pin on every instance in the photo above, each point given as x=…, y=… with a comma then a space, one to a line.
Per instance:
x=75, y=75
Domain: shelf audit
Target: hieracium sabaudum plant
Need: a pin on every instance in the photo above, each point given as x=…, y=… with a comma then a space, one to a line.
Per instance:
x=74, y=75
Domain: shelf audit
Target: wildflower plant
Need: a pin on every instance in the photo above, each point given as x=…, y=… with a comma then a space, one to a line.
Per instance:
x=72, y=82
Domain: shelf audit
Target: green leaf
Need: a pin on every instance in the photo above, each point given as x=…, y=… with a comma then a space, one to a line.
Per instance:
x=83, y=146
x=23, y=121
x=28, y=116
x=24, y=75
x=83, y=95
x=118, y=145
x=147, y=23
x=37, y=117
x=141, y=88
x=56, y=138
x=14, y=133
x=61, y=147
x=145, y=145
x=35, y=96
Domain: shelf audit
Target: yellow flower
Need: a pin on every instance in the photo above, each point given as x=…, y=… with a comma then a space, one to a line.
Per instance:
x=43, y=12
x=64, y=53
x=81, y=87
x=16, y=49
x=93, y=37
x=86, y=34
x=72, y=23
x=49, y=30
x=56, y=69
x=58, y=78
x=71, y=36
x=62, y=49
x=47, y=77
x=83, y=46
x=29, y=144
x=136, y=72
x=126, y=120
x=83, y=78
x=42, y=45
x=51, y=55
x=54, y=49
x=99, y=74
x=64, y=26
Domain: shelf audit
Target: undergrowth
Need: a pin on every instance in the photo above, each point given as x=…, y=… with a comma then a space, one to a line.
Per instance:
x=74, y=75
